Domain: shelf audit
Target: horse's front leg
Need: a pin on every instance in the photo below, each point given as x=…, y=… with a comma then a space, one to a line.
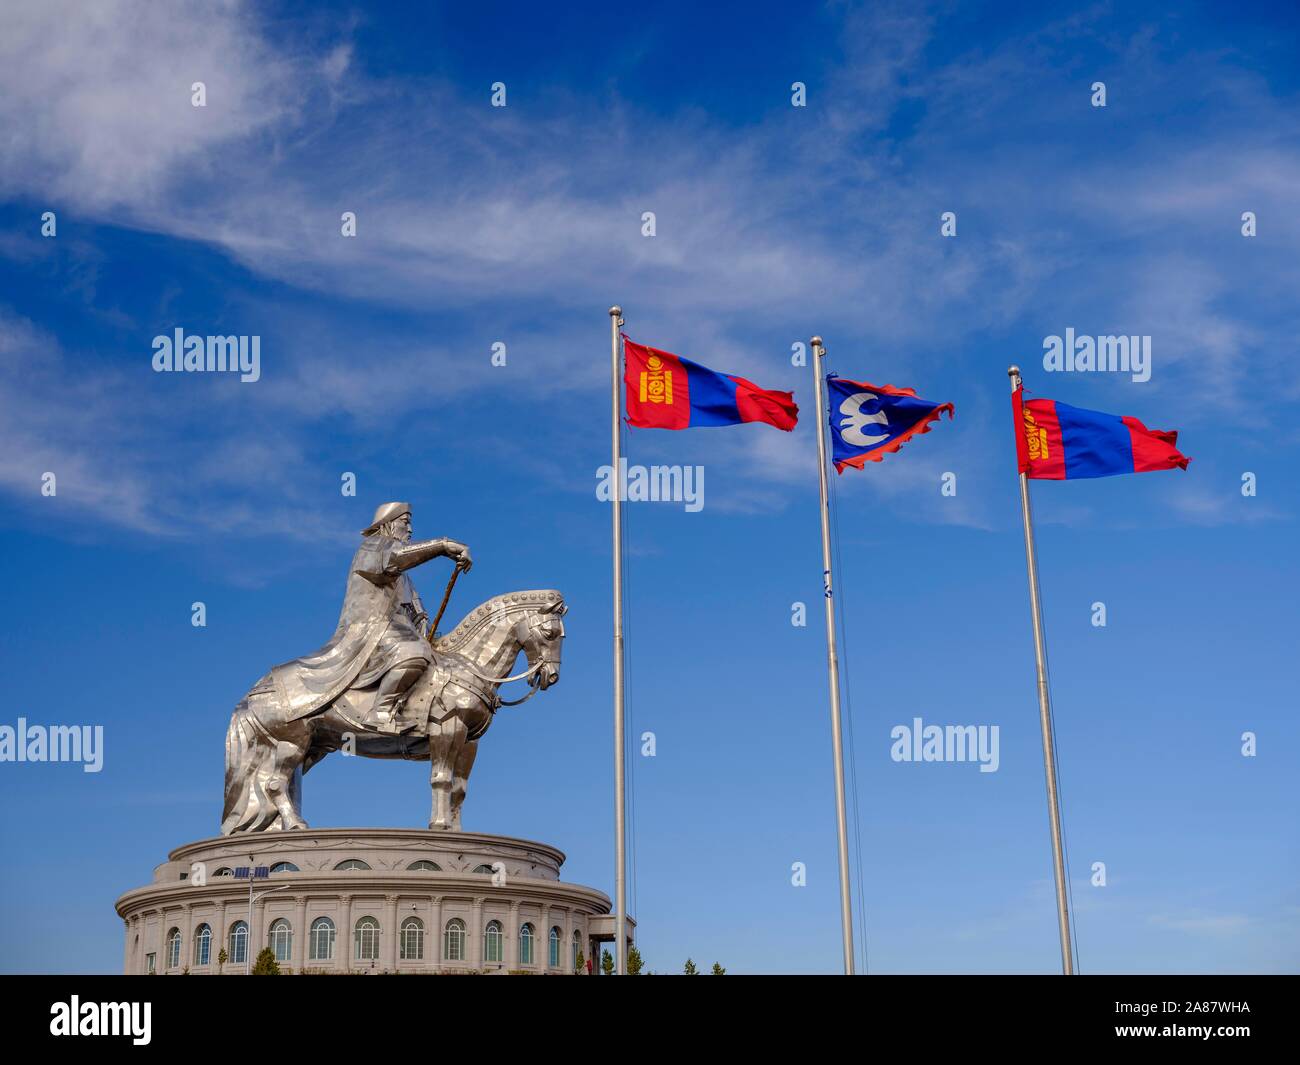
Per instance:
x=442, y=738
x=460, y=780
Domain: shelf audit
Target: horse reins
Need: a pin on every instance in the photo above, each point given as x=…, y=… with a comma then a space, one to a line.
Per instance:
x=469, y=666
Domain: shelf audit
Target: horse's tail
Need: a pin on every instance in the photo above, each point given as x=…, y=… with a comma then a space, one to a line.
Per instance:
x=240, y=755
x=247, y=805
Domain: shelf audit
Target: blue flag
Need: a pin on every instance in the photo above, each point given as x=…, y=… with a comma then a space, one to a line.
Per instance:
x=869, y=421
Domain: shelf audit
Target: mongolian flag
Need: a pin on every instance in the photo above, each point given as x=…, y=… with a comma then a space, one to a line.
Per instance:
x=665, y=391
x=870, y=421
x=1058, y=442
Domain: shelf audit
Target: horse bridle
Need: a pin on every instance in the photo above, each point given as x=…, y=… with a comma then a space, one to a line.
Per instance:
x=528, y=673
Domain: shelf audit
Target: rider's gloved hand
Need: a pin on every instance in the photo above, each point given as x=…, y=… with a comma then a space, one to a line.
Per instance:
x=460, y=553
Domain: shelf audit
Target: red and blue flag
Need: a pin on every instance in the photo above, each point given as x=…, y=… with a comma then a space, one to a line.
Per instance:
x=665, y=391
x=1055, y=441
x=870, y=421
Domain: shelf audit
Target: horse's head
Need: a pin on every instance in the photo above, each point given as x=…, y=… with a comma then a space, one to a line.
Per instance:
x=492, y=635
x=540, y=633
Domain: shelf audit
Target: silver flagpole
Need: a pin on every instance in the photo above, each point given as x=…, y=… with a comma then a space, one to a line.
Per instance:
x=832, y=664
x=620, y=799
x=1045, y=712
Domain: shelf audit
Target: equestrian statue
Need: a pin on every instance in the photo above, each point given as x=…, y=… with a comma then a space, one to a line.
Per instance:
x=386, y=685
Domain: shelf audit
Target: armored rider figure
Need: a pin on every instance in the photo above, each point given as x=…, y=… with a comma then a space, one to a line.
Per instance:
x=380, y=641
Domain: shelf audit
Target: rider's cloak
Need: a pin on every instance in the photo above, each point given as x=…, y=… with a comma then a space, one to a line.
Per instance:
x=375, y=633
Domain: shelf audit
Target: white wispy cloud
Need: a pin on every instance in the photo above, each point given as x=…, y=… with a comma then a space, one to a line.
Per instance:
x=95, y=98
x=1203, y=923
x=821, y=218
x=148, y=460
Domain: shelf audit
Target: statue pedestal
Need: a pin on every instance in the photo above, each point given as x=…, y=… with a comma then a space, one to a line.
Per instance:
x=365, y=900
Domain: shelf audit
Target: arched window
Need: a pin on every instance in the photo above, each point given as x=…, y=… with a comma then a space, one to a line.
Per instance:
x=238, y=943
x=412, y=944
x=553, y=951
x=577, y=948
x=225, y=870
x=351, y=863
x=453, y=941
x=366, y=939
x=321, y=943
x=284, y=867
x=202, y=945
x=281, y=940
x=526, y=938
x=492, y=942
x=424, y=867
x=484, y=869
x=173, y=948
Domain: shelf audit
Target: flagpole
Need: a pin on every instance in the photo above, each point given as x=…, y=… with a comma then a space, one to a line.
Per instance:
x=1045, y=712
x=620, y=799
x=832, y=664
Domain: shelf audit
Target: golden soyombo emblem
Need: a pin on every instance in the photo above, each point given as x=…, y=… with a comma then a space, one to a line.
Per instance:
x=656, y=382
x=1036, y=437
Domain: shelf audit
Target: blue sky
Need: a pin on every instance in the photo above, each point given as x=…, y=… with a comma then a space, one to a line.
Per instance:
x=521, y=225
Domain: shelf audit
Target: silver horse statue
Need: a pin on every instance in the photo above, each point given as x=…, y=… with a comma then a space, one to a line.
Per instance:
x=381, y=689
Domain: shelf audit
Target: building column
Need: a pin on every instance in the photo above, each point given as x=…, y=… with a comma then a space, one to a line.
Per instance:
x=298, y=956
x=347, y=948
x=187, y=937
x=512, y=938
x=544, y=940
x=257, y=933
x=339, y=914
x=435, y=931
x=476, y=935
x=390, y=945
x=144, y=941
x=142, y=930
x=566, y=942
x=220, y=940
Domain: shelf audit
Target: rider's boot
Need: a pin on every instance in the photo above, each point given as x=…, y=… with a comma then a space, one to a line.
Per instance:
x=388, y=715
x=391, y=698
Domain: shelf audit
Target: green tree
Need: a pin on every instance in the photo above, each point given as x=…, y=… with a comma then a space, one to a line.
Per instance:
x=690, y=969
x=580, y=967
x=634, y=962
x=607, y=963
x=266, y=965
x=718, y=970
x=222, y=958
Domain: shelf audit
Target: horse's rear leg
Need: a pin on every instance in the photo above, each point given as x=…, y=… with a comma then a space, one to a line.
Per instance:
x=263, y=762
x=285, y=785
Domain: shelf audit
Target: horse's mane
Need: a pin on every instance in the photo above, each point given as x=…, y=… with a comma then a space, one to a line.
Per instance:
x=496, y=607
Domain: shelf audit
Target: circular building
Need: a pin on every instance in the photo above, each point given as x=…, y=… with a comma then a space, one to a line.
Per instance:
x=377, y=900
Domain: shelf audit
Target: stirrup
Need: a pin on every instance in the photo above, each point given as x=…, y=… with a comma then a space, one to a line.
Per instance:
x=394, y=726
